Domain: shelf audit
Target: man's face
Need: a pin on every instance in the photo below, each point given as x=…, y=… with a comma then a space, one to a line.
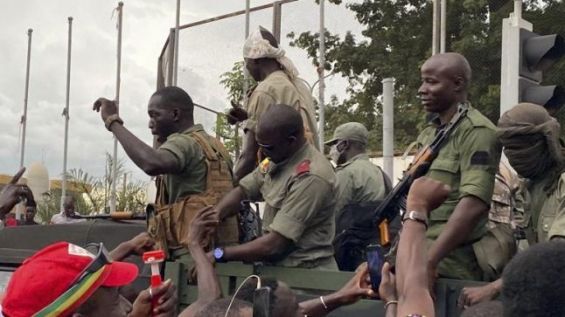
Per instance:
x=69, y=206
x=253, y=68
x=161, y=119
x=105, y=302
x=274, y=145
x=438, y=91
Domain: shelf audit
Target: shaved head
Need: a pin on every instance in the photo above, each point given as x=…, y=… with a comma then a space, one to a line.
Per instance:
x=281, y=119
x=452, y=65
x=280, y=132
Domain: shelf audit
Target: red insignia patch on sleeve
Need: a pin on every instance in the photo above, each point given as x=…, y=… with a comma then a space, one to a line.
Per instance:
x=303, y=167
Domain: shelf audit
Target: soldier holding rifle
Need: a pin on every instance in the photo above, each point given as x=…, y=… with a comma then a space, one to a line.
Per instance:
x=467, y=162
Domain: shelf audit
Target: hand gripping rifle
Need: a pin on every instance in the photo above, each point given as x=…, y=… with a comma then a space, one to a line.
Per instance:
x=394, y=203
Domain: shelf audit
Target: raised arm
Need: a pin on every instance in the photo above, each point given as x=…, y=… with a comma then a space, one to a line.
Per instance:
x=153, y=162
x=412, y=276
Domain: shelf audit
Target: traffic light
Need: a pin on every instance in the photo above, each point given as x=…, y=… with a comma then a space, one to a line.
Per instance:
x=537, y=54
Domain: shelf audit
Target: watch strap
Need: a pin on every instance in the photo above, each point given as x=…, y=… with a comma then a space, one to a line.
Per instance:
x=111, y=119
x=416, y=216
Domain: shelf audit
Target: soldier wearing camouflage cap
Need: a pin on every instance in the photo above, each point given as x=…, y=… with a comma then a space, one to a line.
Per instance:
x=361, y=186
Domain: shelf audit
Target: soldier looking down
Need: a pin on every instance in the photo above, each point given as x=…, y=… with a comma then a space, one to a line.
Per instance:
x=297, y=184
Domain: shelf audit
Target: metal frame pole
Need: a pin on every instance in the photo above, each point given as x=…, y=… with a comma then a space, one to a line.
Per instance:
x=443, y=26
x=176, y=47
x=277, y=11
x=322, y=84
x=117, y=99
x=24, y=117
x=388, y=126
x=66, y=113
x=435, y=26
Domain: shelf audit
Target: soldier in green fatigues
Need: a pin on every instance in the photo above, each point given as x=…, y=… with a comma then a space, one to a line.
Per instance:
x=278, y=84
x=297, y=184
x=467, y=163
x=361, y=186
x=530, y=137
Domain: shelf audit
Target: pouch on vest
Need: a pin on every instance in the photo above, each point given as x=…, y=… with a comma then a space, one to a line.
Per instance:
x=170, y=224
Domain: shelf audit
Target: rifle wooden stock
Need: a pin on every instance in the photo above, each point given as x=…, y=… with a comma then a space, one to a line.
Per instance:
x=385, y=234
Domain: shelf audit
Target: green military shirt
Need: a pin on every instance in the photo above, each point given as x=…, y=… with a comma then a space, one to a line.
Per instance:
x=546, y=211
x=358, y=182
x=300, y=198
x=467, y=162
x=277, y=88
x=189, y=155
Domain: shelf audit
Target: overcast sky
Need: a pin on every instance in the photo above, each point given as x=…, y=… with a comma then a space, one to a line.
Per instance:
x=205, y=53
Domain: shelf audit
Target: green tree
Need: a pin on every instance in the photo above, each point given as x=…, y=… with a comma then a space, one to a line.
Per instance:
x=397, y=40
x=234, y=82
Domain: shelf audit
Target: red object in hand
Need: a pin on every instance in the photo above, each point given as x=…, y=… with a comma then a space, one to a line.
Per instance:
x=154, y=258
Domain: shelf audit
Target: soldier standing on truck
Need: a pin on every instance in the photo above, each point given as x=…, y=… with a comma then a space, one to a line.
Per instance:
x=297, y=183
x=361, y=187
x=195, y=168
x=467, y=163
x=278, y=84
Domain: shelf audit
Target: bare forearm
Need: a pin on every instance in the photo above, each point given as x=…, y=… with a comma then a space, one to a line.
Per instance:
x=144, y=156
x=315, y=308
x=269, y=247
x=412, y=275
x=461, y=223
x=247, y=160
x=121, y=251
x=230, y=203
x=208, y=286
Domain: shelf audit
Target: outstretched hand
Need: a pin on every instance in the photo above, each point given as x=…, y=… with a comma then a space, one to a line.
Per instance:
x=105, y=107
x=12, y=193
x=387, y=289
x=357, y=287
x=202, y=226
x=426, y=194
x=236, y=114
x=166, y=305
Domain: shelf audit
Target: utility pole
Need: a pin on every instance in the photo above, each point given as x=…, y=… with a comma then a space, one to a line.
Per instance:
x=24, y=117
x=322, y=84
x=388, y=126
x=176, y=47
x=66, y=114
x=117, y=100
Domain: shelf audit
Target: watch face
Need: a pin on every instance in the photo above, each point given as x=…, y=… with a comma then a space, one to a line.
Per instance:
x=218, y=253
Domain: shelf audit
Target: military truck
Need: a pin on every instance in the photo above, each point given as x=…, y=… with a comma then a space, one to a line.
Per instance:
x=18, y=243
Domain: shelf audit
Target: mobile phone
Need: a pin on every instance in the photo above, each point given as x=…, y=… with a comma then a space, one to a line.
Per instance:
x=375, y=263
x=262, y=302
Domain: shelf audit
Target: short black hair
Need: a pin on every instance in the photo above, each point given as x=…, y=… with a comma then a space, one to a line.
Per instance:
x=175, y=97
x=486, y=309
x=533, y=282
x=218, y=308
x=31, y=203
x=248, y=289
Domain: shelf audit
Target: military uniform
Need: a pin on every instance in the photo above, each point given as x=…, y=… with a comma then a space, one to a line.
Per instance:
x=359, y=182
x=277, y=88
x=497, y=247
x=205, y=177
x=189, y=155
x=300, y=198
x=545, y=211
x=468, y=163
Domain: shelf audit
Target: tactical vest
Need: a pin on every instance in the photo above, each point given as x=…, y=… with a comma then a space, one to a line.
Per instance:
x=170, y=224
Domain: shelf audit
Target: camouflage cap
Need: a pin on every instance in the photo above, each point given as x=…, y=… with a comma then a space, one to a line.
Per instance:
x=352, y=131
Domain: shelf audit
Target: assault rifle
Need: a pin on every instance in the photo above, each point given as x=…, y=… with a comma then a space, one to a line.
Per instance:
x=395, y=202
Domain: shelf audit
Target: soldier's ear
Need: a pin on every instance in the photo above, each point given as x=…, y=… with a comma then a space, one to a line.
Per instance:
x=459, y=84
x=176, y=114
